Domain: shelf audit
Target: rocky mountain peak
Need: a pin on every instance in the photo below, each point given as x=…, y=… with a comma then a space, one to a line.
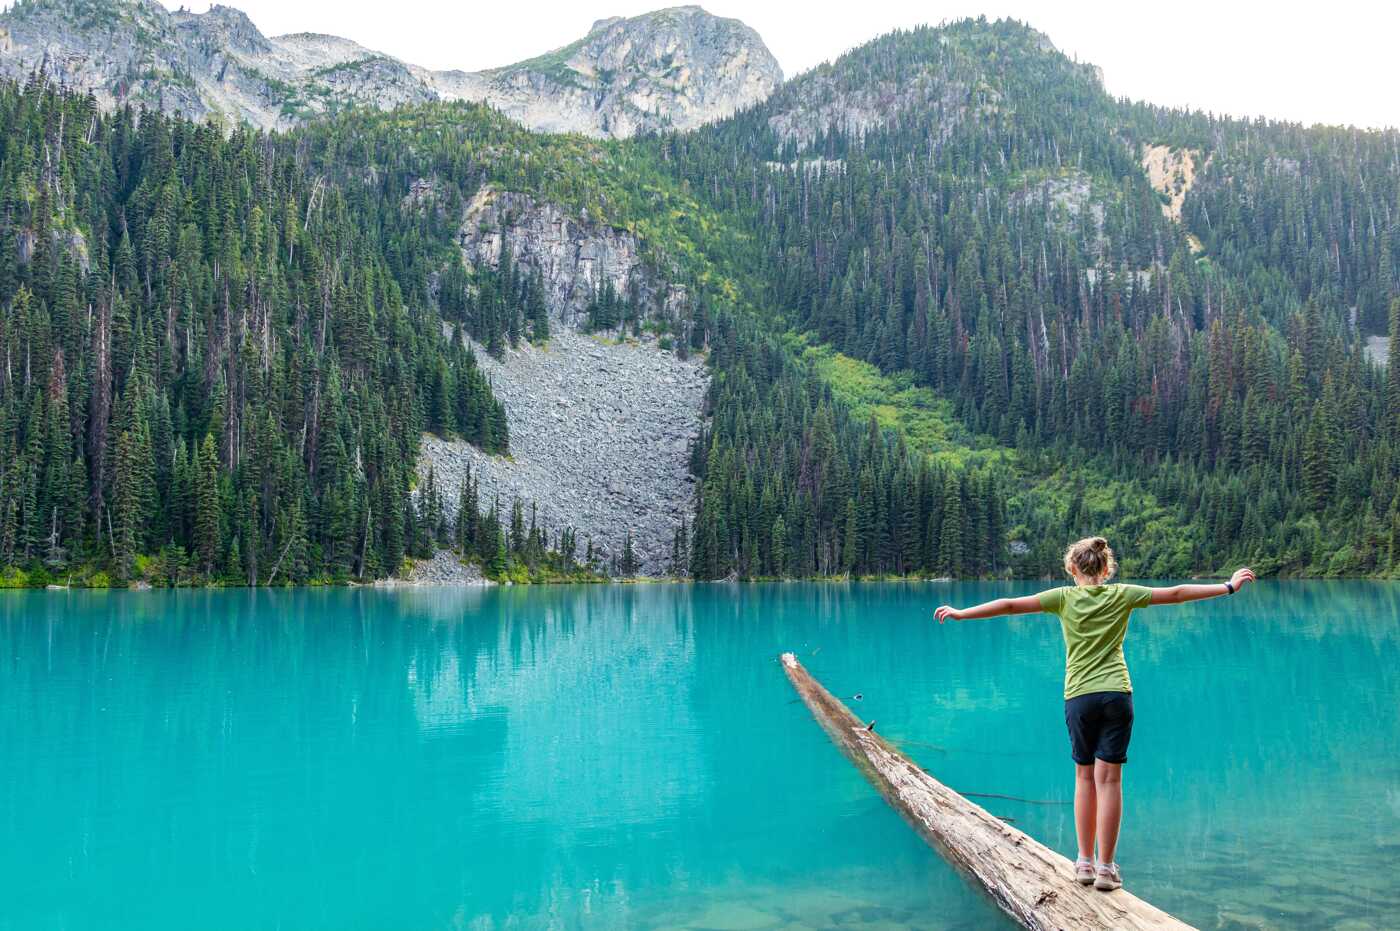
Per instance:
x=224, y=27
x=674, y=68
x=664, y=41
x=604, y=23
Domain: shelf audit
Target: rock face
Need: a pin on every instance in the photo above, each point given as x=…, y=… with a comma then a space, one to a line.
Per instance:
x=672, y=69
x=600, y=431
x=574, y=258
x=201, y=65
x=1378, y=349
x=1065, y=198
x=600, y=441
x=675, y=68
x=826, y=100
x=119, y=50
x=1172, y=172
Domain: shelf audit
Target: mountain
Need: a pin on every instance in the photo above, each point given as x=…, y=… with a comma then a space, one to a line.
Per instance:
x=932, y=309
x=672, y=69
x=675, y=68
x=1153, y=323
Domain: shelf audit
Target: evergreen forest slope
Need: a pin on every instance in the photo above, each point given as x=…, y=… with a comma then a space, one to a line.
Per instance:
x=1197, y=387
x=959, y=305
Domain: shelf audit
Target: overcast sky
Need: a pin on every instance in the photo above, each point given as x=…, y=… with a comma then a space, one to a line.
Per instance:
x=1333, y=62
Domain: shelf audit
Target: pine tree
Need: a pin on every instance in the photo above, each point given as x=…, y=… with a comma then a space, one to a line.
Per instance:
x=517, y=527
x=208, y=516
x=780, y=547
x=850, y=547
x=1319, y=460
x=128, y=507
x=629, y=557
x=950, y=537
x=1392, y=369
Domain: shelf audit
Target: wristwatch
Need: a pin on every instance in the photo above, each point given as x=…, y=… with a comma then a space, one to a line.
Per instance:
x=1229, y=589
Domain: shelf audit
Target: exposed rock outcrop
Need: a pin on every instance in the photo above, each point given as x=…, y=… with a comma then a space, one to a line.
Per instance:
x=1171, y=172
x=812, y=167
x=600, y=440
x=119, y=50
x=573, y=257
x=672, y=69
x=675, y=68
x=600, y=430
x=1066, y=198
x=826, y=101
x=444, y=568
x=1378, y=349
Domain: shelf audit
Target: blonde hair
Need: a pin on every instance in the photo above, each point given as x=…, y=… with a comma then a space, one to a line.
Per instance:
x=1092, y=558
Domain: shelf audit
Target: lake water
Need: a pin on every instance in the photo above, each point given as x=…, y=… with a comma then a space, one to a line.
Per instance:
x=632, y=756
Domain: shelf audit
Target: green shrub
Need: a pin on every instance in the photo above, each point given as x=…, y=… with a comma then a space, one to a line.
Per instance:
x=14, y=577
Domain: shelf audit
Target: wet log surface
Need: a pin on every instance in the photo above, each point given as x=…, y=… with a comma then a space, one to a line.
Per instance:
x=1027, y=880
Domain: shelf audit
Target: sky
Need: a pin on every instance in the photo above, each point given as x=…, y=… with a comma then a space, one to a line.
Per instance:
x=1316, y=63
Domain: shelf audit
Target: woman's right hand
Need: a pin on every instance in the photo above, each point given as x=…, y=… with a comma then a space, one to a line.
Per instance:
x=945, y=612
x=1240, y=577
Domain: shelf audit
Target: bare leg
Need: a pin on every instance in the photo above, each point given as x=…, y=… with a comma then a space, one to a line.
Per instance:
x=1108, y=787
x=1084, y=809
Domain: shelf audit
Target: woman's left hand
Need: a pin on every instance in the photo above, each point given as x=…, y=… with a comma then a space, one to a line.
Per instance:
x=945, y=612
x=1241, y=576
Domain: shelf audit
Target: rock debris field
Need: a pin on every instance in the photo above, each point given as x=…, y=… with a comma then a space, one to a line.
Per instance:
x=600, y=436
x=444, y=568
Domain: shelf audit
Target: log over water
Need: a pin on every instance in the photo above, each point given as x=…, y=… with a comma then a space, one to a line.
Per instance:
x=1027, y=880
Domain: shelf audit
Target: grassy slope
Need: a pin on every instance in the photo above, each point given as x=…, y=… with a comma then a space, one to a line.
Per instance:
x=927, y=421
x=1150, y=537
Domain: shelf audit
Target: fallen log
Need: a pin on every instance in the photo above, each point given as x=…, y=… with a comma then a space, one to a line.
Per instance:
x=1027, y=880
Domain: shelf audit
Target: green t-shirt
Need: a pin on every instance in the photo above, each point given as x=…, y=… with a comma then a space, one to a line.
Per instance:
x=1094, y=619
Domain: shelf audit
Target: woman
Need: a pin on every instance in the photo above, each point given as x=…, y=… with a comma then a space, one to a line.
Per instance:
x=1098, y=694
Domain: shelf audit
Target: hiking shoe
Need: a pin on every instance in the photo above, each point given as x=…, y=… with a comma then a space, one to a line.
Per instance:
x=1108, y=878
x=1084, y=871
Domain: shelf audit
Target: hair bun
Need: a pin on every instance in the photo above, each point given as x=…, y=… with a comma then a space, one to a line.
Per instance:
x=1091, y=558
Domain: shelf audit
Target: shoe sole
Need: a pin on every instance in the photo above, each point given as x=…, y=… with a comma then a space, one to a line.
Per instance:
x=1085, y=880
x=1106, y=886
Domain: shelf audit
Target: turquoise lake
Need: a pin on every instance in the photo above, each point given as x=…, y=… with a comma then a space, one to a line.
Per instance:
x=633, y=757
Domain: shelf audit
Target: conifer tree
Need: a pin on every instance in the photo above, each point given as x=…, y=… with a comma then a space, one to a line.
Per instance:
x=208, y=517
x=628, y=565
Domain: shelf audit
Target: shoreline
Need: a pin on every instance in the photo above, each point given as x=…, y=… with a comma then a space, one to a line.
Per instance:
x=400, y=583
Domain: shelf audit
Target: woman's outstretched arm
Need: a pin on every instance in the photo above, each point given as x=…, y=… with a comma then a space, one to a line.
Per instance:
x=1028, y=604
x=1180, y=594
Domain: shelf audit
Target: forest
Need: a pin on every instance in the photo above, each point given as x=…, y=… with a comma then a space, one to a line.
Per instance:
x=1018, y=263
x=221, y=347
x=219, y=359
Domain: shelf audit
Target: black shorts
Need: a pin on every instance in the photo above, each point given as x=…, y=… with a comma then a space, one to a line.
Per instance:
x=1100, y=726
